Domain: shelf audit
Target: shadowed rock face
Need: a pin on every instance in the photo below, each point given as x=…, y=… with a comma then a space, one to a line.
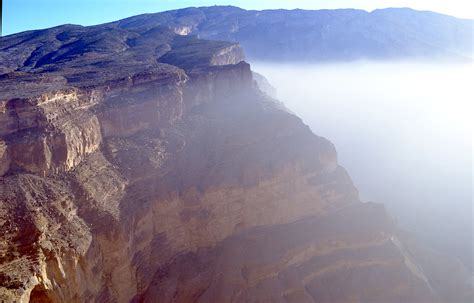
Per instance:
x=140, y=165
x=322, y=35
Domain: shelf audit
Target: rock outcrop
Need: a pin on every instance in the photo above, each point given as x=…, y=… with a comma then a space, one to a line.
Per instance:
x=142, y=165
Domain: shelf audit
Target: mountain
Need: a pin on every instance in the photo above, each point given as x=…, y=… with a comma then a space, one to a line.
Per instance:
x=140, y=165
x=322, y=35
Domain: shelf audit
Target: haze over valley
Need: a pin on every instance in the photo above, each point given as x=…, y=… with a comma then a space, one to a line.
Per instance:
x=404, y=132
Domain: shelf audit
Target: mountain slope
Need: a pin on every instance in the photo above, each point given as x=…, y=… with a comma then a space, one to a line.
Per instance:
x=322, y=35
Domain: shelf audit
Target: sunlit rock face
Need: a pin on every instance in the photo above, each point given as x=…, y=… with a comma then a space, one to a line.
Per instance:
x=145, y=166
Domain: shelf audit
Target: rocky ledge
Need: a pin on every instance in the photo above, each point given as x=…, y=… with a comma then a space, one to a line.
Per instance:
x=146, y=166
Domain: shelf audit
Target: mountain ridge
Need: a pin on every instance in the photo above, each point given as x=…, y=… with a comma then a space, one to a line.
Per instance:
x=323, y=35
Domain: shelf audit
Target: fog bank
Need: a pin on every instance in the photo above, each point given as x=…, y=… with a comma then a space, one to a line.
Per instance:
x=404, y=133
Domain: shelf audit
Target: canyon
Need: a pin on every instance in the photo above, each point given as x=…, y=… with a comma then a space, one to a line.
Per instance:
x=142, y=164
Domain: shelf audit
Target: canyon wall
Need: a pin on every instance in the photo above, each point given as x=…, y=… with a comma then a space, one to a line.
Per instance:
x=136, y=166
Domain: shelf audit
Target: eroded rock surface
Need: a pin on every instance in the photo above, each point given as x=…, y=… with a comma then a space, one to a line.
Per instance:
x=143, y=165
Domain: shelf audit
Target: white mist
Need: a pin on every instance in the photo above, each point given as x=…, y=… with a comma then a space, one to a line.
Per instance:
x=402, y=130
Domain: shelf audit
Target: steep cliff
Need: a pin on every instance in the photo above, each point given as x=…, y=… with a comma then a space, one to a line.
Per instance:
x=141, y=165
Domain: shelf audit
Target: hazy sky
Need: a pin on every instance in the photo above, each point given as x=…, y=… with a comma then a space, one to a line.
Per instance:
x=20, y=15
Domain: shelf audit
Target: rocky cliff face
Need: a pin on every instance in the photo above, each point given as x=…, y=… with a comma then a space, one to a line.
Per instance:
x=144, y=166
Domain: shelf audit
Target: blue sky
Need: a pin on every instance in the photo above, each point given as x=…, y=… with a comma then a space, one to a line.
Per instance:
x=21, y=15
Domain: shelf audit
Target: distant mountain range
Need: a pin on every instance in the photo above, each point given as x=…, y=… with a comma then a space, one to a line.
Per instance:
x=322, y=35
